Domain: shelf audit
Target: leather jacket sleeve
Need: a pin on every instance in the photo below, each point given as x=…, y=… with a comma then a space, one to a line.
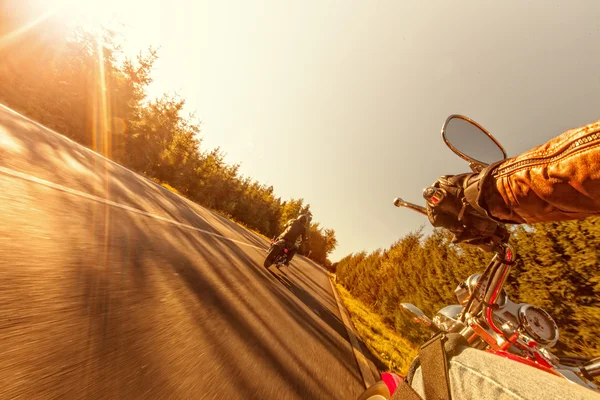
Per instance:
x=557, y=181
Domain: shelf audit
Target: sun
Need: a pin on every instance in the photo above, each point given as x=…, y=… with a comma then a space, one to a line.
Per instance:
x=91, y=15
x=132, y=21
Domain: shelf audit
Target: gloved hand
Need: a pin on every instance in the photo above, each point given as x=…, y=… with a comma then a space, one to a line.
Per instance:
x=452, y=203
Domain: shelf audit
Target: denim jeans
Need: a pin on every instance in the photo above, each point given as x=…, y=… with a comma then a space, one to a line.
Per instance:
x=475, y=374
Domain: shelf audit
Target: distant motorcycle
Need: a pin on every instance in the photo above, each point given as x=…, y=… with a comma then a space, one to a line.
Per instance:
x=485, y=316
x=278, y=252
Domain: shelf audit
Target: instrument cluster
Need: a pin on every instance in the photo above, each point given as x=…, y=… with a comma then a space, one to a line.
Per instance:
x=529, y=320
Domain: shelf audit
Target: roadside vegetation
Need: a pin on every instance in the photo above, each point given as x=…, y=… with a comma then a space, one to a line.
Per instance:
x=395, y=352
x=82, y=85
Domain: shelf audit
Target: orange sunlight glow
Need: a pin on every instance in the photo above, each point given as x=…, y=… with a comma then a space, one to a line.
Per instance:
x=91, y=15
x=9, y=37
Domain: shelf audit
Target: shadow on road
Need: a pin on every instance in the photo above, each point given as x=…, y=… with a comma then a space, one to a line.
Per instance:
x=310, y=302
x=323, y=312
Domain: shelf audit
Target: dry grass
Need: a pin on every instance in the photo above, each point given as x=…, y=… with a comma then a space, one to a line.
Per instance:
x=392, y=349
x=167, y=186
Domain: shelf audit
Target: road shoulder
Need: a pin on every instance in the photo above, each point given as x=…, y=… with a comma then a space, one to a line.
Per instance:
x=366, y=367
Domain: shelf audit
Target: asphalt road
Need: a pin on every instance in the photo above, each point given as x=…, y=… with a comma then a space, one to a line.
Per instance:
x=101, y=301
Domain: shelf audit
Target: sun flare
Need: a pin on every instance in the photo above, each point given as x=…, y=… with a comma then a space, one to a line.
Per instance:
x=91, y=15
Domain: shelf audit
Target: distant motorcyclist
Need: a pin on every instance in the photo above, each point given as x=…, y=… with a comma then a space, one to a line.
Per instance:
x=294, y=230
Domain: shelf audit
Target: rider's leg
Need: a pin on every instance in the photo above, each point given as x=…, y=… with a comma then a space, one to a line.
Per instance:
x=290, y=255
x=475, y=374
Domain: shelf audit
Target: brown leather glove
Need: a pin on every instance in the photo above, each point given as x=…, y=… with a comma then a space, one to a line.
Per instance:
x=453, y=203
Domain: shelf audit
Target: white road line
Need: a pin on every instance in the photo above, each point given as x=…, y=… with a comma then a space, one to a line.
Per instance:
x=30, y=178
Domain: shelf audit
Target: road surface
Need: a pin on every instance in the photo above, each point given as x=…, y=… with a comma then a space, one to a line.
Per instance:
x=112, y=287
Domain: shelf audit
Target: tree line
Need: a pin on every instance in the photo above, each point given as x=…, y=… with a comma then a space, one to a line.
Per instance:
x=81, y=84
x=559, y=272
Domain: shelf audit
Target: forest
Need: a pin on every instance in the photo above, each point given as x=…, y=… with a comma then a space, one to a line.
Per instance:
x=559, y=272
x=81, y=84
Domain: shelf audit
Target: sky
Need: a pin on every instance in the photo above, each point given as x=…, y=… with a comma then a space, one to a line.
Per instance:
x=341, y=102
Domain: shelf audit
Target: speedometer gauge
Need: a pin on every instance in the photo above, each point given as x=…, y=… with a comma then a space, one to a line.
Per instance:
x=538, y=324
